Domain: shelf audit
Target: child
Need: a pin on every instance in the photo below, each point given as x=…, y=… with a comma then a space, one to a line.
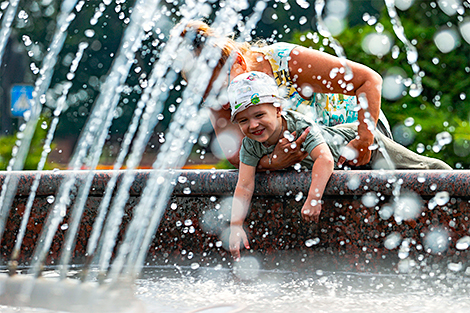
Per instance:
x=257, y=109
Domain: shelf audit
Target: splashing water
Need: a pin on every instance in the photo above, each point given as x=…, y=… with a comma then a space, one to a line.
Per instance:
x=412, y=54
x=323, y=30
x=7, y=21
x=27, y=130
x=184, y=130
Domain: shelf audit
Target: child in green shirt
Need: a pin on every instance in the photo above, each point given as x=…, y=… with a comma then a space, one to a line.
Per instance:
x=257, y=109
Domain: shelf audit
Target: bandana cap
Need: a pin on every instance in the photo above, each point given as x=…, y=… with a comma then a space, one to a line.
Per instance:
x=252, y=88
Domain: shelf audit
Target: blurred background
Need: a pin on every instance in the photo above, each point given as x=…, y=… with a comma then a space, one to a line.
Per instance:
x=435, y=123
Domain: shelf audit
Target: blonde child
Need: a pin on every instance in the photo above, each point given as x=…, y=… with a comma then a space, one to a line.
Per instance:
x=256, y=107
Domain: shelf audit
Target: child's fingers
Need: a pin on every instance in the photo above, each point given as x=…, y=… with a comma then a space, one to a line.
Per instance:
x=246, y=242
x=302, y=137
x=341, y=161
x=317, y=218
x=311, y=214
x=235, y=251
x=307, y=215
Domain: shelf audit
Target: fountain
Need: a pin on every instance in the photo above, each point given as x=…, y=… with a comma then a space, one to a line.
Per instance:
x=89, y=240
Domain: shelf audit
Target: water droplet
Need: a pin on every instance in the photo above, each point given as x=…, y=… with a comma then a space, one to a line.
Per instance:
x=436, y=241
x=463, y=243
x=412, y=56
x=393, y=87
x=403, y=4
x=392, y=241
x=302, y=20
x=187, y=191
x=303, y=4
x=386, y=212
x=415, y=90
x=334, y=72
x=395, y=52
x=465, y=30
x=188, y=222
x=444, y=138
x=404, y=250
x=455, y=267
x=409, y=121
x=195, y=266
x=312, y=242
x=373, y=147
x=289, y=136
x=446, y=40
x=64, y=226
x=370, y=199
x=89, y=33
x=182, y=179
x=299, y=196
x=407, y=207
x=420, y=148
x=449, y=7
x=441, y=198
x=354, y=182
x=349, y=153
x=50, y=199
x=403, y=135
x=378, y=44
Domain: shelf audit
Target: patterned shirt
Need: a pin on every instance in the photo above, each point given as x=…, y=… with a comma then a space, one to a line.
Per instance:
x=326, y=109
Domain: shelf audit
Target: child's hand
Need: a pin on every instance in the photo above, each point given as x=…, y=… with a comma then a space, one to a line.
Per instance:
x=288, y=153
x=237, y=235
x=311, y=210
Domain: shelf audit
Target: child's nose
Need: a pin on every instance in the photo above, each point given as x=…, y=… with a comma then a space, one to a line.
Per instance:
x=254, y=123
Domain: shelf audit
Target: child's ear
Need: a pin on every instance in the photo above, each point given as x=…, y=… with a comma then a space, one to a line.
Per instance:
x=278, y=111
x=240, y=60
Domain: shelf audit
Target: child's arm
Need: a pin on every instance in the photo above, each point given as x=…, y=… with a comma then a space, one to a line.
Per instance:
x=285, y=153
x=240, y=205
x=321, y=172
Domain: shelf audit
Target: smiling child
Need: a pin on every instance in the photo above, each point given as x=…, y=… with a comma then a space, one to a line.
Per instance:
x=257, y=109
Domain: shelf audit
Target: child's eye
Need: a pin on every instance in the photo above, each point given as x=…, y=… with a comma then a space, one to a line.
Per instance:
x=242, y=121
x=259, y=115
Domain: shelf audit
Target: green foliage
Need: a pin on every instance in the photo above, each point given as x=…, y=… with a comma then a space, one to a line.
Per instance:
x=8, y=142
x=443, y=105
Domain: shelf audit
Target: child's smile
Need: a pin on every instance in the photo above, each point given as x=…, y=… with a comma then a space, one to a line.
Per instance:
x=262, y=123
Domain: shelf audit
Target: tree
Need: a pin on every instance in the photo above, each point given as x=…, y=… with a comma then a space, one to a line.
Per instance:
x=438, y=119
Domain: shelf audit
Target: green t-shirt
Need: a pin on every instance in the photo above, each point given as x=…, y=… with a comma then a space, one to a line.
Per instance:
x=336, y=138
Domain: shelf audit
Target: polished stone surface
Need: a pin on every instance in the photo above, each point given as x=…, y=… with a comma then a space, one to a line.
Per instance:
x=354, y=225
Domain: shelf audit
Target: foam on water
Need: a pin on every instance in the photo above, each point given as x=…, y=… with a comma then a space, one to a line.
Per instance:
x=185, y=290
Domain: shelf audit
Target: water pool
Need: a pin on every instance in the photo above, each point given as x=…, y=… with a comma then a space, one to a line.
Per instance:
x=176, y=290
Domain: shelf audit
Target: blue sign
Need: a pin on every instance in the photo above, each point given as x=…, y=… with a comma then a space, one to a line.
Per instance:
x=21, y=99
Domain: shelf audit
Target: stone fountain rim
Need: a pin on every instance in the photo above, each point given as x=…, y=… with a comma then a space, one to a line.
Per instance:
x=195, y=182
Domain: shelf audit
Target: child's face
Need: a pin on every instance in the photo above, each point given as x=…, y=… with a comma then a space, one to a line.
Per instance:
x=261, y=122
